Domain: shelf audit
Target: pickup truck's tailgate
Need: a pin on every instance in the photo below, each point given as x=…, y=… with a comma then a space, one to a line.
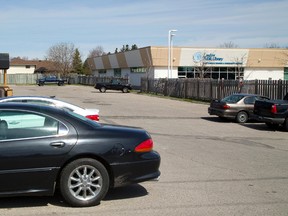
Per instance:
x=264, y=108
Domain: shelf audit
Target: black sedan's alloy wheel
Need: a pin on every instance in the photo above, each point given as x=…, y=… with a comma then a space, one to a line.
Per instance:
x=84, y=182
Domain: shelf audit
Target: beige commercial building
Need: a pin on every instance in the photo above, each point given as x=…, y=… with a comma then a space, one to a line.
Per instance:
x=188, y=62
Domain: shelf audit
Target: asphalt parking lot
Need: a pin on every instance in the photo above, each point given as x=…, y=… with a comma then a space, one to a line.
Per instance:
x=209, y=166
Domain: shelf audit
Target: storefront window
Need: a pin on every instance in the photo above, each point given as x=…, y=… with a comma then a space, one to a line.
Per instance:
x=185, y=72
x=231, y=73
x=117, y=72
x=286, y=73
x=138, y=70
x=103, y=71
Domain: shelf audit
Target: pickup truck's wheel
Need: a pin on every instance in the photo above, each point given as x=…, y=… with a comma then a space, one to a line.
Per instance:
x=125, y=90
x=242, y=117
x=84, y=182
x=102, y=89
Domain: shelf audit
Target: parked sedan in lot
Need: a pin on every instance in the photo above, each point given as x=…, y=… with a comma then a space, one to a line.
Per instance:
x=236, y=106
x=43, y=148
x=92, y=114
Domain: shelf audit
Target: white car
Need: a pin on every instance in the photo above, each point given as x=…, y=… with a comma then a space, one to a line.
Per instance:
x=51, y=101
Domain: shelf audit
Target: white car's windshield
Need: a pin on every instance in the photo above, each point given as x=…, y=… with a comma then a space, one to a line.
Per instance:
x=82, y=118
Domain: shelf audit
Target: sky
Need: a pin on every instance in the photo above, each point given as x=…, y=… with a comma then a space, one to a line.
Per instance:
x=28, y=28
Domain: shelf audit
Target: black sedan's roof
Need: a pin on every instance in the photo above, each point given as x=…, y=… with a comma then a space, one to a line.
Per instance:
x=30, y=107
x=59, y=113
x=46, y=110
x=44, y=97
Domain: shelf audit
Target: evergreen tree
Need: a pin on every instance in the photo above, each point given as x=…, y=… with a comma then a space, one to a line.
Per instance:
x=77, y=62
x=134, y=47
x=86, y=69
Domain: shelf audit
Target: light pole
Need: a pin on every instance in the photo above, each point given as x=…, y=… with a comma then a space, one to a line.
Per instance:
x=170, y=55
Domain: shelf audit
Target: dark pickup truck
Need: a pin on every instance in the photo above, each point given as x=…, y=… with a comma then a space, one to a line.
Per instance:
x=272, y=112
x=50, y=79
x=113, y=85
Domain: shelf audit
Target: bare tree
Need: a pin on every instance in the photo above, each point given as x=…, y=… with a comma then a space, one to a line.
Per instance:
x=283, y=58
x=62, y=55
x=97, y=51
x=271, y=45
x=201, y=68
x=126, y=48
x=239, y=68
x=229, y=44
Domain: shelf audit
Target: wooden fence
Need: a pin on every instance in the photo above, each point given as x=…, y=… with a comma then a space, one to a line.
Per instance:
x=30, y=79
x=208, y=89
x=199, y=89
x=92, y=80
x=21, y=79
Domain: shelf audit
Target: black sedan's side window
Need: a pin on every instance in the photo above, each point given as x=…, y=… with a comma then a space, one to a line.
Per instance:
x=21, y=124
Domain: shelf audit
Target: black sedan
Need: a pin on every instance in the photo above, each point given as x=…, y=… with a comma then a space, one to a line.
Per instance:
x=44, y=148
x=236, y=106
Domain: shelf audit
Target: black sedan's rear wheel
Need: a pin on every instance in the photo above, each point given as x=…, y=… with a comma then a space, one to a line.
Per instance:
x=84, y=182
x=242, y=117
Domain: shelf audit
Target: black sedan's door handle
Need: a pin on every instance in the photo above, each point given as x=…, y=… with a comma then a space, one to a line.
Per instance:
x=57, y=144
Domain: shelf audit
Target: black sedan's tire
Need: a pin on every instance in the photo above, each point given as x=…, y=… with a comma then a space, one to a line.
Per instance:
x=125, y=90
x=242, y=117
x=84, y=182
x=102, y=89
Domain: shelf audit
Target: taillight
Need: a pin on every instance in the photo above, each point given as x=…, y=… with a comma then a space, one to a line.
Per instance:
x=93, y=117
x=226, y=106
x=145, y=146
x=274, y=109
